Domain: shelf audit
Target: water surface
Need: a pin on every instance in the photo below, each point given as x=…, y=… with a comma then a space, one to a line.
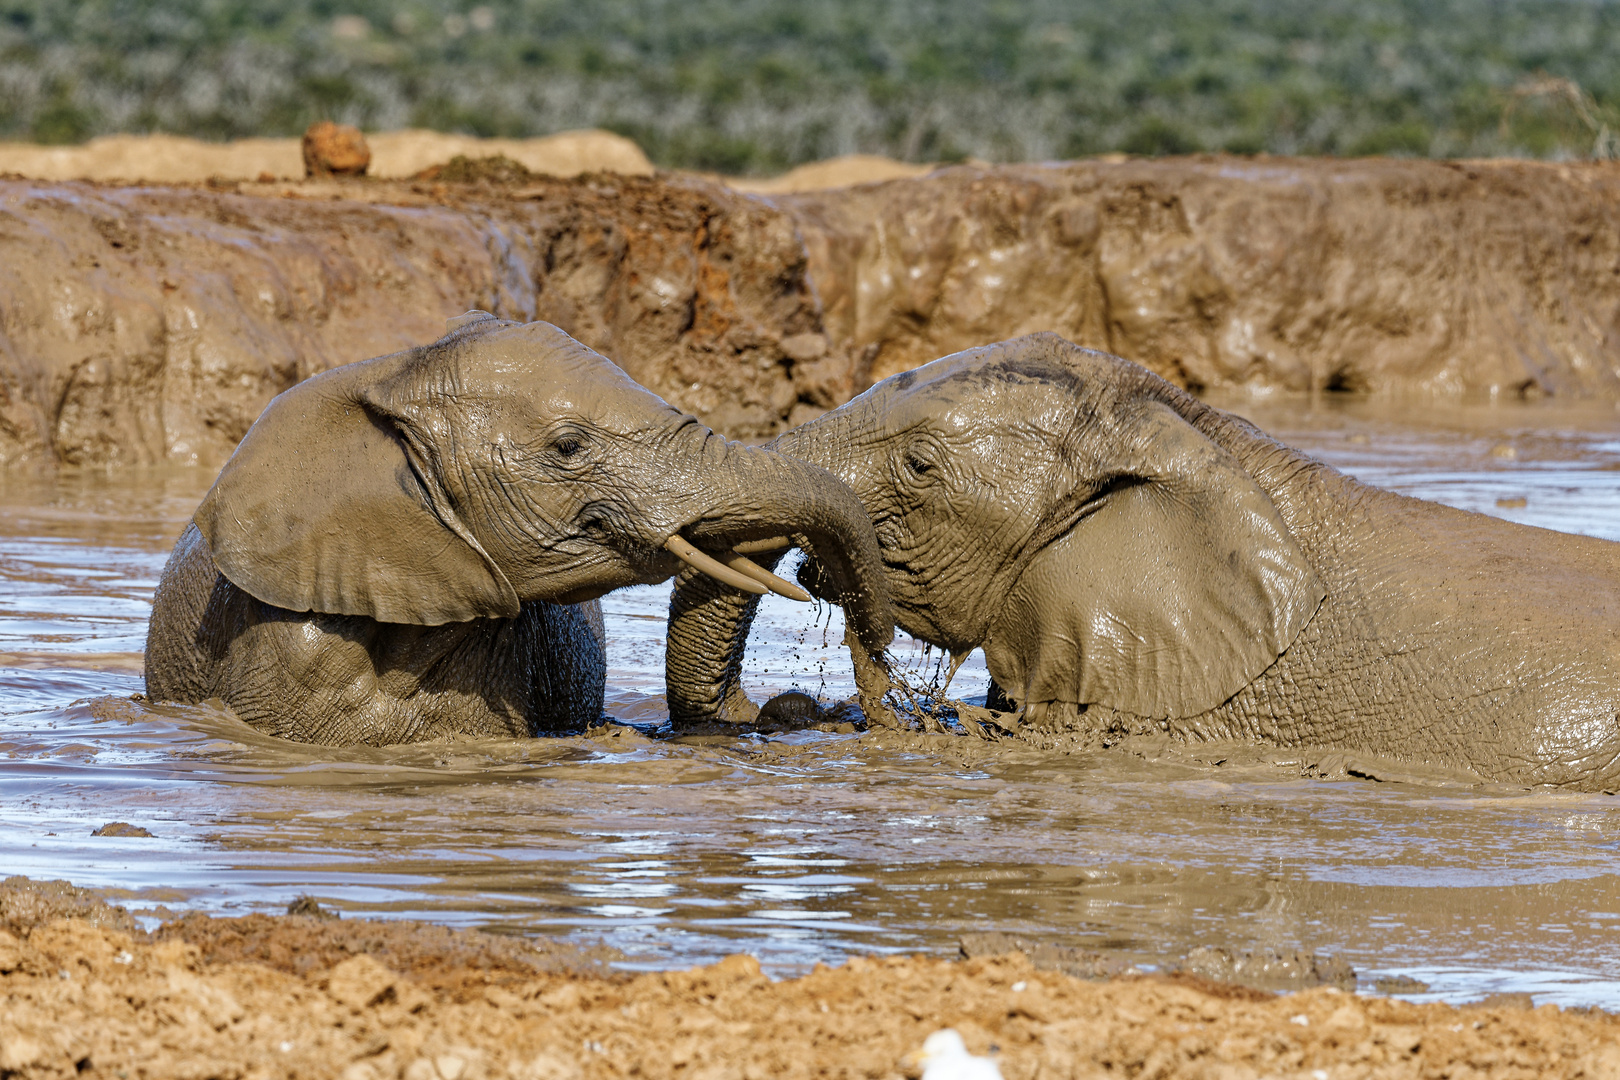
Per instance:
x=806, y=847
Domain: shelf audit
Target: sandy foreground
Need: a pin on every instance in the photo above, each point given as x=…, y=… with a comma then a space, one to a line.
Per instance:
x=83, y=992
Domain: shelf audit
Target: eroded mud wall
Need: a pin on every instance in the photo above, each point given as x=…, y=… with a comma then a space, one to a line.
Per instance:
x=142, y=325
x=153, y=324
x=1384, y=276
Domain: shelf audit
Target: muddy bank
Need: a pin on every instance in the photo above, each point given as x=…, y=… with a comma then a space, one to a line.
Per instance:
x=1401, y=277
x=310, y=997
x=152, y=324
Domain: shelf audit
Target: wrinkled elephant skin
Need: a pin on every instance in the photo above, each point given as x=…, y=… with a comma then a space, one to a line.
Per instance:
x=412, y=546
x=1134, y=561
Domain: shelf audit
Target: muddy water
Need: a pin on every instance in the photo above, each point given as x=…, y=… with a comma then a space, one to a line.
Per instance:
x=807, y=847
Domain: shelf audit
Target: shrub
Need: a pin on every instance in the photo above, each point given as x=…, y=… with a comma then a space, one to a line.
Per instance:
x=759, y=85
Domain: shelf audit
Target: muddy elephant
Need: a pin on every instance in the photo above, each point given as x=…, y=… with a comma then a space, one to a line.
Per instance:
x=412, y=546
x=1132, y=560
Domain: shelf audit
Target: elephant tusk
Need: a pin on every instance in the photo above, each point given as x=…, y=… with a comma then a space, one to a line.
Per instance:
x=754, y=547
x=736, y=571
x=679, y=547
x=780, y=586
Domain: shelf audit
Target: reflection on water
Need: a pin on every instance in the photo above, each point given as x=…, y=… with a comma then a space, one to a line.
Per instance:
x=811, y=846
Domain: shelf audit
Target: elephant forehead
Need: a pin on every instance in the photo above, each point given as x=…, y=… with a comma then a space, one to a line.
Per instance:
x=537, y=358
x=972, y=403
x=538, y=368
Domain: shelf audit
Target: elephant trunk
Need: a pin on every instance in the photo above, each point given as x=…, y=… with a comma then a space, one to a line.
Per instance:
x=708, y=633
x=775, y=496
x=709, y=621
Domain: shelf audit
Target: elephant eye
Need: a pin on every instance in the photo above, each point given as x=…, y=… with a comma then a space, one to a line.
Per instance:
x=920, y=461
x=567, y=446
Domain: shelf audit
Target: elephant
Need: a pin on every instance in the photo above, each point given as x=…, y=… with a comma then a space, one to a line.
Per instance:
x=412, y=547
x=1134, y=561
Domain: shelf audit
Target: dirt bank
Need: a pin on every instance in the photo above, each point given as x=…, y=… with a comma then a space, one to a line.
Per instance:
x=304, y=996
x=153, y=324
x=839, y=172
x=399, y=155
x=175, y=159
x=143, y=324
x=1406, y=277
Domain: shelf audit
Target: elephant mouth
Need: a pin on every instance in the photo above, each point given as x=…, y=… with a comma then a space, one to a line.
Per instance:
x=916, y=610
x=602, y=524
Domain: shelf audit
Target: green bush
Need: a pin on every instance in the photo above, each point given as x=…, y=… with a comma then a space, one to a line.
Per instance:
x=760, y=85
x=1157, y=136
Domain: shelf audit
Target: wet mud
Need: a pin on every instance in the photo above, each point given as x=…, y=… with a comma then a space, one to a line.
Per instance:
x=1426, y=279
x=152, y=324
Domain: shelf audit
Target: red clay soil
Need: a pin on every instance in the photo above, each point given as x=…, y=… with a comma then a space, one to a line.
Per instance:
x=302, y=996
x=150, y=324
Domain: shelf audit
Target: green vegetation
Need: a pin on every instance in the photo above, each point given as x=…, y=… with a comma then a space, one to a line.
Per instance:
x=760, y=85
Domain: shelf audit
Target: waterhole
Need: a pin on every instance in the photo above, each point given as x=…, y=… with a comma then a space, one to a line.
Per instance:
x=811, y=846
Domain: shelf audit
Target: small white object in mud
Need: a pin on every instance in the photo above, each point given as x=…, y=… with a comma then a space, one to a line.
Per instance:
x=944, y=1056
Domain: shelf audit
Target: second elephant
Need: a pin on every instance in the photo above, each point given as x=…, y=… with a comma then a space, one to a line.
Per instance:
x=1133, y=560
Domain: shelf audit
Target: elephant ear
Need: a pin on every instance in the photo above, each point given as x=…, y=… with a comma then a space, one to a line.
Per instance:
x=324, y=508
x=1170, y=594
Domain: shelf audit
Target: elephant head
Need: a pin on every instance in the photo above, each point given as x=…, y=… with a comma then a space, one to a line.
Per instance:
x=507, y=463
x=1059, y=507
